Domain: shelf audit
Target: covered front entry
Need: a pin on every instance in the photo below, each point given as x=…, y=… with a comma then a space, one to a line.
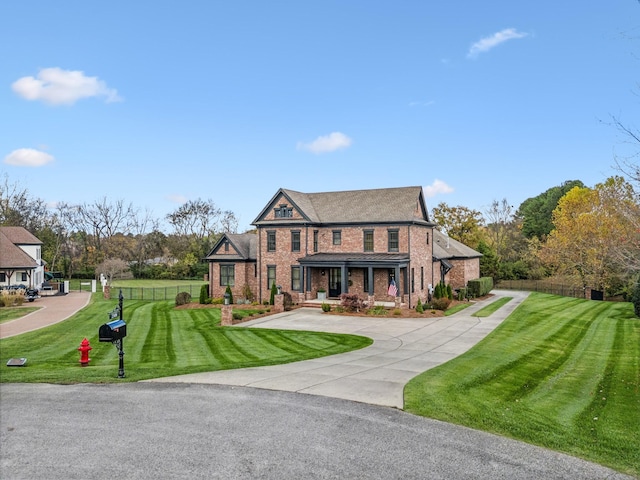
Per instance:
x=364, y=274
x=335, y=282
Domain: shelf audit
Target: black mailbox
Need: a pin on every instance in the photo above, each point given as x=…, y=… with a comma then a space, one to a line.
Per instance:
x=112, y=331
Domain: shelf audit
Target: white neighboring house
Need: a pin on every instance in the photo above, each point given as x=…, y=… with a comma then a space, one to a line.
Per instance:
x=20, y=258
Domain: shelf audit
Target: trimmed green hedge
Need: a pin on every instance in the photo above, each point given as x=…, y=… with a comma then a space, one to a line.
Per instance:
x=480, y=286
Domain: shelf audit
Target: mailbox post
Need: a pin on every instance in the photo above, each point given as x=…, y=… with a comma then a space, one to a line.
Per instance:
x=114, y=332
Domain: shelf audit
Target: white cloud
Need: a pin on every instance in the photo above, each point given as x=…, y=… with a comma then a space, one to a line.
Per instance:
x=487, y=43
x=28, y=157
x=437, y=187
x=63, y=87
x=176, y=198
x=328, y=143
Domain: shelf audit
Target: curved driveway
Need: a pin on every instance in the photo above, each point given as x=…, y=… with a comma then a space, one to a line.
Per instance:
x=402, y=348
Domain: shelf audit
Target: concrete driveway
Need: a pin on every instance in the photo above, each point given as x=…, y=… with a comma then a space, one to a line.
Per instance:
x=402, y=349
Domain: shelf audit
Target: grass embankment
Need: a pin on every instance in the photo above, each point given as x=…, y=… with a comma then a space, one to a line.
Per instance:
x=161, y=341
x=560, y=372
x=11, y=313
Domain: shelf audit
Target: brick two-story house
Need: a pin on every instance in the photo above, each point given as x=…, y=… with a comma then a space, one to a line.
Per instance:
x=358, y=241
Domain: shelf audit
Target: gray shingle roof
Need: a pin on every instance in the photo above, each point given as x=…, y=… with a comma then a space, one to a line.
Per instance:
x=384, y=205
x=246, y=245
x=11, y=256
x=445, y=247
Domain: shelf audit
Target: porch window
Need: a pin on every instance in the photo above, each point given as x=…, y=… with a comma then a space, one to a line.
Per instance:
x=337, y=237
x=295, y=241
x=271, y=275
x=393, y=240
x=3, y=277
x=368, y=240
x=295, y=279
x=271, y=241
x=227, y=275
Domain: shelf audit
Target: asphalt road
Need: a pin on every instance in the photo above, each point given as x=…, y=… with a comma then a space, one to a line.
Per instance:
x=175, y=431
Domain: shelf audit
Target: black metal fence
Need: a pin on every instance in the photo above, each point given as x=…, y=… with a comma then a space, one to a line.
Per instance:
x=155, y=293
x=545, y=287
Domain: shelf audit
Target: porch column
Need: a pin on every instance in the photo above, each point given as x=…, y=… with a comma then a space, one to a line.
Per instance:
x=308, y=279
x=397, y=279
x=344, y=279
x=370, y=276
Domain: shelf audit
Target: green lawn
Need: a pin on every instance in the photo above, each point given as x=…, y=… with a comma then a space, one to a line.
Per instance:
x=492, y=307
x=11, y=313
x=161, y=341
x=560, y=372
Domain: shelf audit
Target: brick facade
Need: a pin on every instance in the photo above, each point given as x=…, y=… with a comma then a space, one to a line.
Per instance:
x=328, y=251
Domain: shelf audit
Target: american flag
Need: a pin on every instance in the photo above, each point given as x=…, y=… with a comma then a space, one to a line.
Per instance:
x=393, y=290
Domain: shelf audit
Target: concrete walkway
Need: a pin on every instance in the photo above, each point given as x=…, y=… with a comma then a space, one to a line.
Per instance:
x=53, y=309
x=402, y=348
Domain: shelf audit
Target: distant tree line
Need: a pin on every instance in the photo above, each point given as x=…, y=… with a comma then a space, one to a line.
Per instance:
x=111, y=237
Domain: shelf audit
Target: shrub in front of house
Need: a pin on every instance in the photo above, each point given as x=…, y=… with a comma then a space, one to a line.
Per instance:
x=183, y=298
x=351, y=302
x=480, y=286
x=419, y=307
x=326, y=307
x=377, y=310
x=274, y=292
x=441, y=303
x=230, y=293
x=236, y=316
x=204, y=294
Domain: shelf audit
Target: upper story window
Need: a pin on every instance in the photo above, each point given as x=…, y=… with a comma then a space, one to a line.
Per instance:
x=315, y=241
x=226, y=246
x=271, y=241
x=337, y=237
x=393, y=240
x=295, y=241
x=283, y=212
x=427, y=238
x=368, y=240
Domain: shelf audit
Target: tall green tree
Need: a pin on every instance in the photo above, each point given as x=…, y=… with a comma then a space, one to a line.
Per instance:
x=537, y=212
x=460, y=223
x=589, y=225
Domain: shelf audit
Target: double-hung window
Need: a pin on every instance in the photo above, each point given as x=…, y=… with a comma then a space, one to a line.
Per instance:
x=296, y=285
x=227, y=275
x=295, y=241
x=394, y=243
x=368, y=240
x=315, y=241
x=337, y=237
x=271, y=241
x=271, y=275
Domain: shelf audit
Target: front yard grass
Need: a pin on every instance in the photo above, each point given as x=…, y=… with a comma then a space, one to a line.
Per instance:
x=161, y=341
x=560, y=372
x=11, y=313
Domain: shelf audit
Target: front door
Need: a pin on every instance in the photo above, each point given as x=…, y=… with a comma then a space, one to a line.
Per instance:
x=335, y=282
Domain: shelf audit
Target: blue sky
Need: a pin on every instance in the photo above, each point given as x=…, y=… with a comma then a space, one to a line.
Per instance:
x=156, y=103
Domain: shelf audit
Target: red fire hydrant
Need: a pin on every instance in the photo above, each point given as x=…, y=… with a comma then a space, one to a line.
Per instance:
x=84, y=350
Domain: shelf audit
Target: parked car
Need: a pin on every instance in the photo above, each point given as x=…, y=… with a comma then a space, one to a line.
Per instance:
x=31, y=294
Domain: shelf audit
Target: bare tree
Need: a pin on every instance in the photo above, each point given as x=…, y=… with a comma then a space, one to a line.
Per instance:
x=198, y=218
x=112, y=267
x=499, y=224
x=19, y=209
x=229, y=222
